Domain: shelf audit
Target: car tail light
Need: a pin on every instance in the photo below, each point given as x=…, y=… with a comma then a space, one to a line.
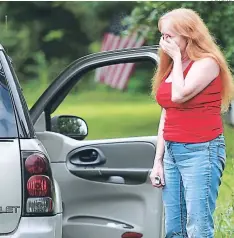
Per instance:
x=38, y=184
x=35, y=164
x=132, y=235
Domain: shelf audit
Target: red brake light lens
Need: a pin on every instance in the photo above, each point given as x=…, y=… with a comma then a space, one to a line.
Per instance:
x=36, y=164
x=39, y=186
x=132, y=235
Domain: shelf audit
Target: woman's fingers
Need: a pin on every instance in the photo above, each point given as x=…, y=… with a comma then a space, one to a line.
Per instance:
x=158, y=181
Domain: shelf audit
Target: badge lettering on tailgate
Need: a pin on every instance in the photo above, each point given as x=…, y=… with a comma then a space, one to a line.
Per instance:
x=9, y=209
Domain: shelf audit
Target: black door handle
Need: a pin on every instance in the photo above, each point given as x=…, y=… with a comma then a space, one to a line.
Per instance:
x=87, y=157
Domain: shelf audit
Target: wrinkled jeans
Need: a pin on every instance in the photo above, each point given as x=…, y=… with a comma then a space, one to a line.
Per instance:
x=193, y=174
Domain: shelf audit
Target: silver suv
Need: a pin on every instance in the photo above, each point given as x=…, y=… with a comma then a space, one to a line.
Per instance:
x=54, y=183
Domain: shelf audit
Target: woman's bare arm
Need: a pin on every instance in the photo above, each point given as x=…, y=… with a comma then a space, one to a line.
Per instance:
x=160, y=141
x=202, y=72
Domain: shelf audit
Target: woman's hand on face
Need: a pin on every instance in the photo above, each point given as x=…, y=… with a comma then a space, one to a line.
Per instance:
x=170, y=47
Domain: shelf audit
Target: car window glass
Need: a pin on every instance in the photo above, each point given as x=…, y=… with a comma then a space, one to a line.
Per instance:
x=110, y=112
x=8, y=128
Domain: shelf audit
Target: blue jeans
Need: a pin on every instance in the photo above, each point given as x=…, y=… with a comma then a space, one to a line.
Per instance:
x=193, y=174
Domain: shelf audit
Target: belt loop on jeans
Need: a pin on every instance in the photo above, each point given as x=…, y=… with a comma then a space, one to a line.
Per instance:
x=168, y=144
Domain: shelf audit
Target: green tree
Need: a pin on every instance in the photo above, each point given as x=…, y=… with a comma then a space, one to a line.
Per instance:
x=217, y=15
x=60, y=31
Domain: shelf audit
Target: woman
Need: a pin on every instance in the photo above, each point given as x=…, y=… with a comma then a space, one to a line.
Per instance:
x=193, y=84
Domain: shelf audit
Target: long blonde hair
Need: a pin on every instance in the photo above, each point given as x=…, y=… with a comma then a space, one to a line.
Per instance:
x=200, y=44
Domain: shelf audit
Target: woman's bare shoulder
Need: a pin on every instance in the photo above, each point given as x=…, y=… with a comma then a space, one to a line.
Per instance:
x=207, y=64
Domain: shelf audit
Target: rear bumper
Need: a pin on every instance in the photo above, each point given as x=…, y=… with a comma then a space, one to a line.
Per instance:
x=38, y=227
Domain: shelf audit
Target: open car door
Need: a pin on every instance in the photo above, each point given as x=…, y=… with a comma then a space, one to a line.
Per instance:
x=105, y=185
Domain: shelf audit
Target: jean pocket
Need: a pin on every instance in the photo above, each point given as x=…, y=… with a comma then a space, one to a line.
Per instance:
x=222, y=153
x=197, y=146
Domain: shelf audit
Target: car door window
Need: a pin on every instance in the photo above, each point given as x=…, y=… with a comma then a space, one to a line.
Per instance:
x=109, y=111
x=8, y=128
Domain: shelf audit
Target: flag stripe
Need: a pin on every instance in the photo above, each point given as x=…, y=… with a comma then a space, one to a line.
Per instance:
x=120, y=67
x=117, y=76
x=123, y=44
x=125, y=74
x=107, y=47
x=98, y=72
x=109, y=70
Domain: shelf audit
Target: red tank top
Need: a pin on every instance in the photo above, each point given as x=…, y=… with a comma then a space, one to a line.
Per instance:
x=196, y=120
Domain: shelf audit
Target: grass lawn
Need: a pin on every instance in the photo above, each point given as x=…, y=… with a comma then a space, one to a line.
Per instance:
x=115, y=114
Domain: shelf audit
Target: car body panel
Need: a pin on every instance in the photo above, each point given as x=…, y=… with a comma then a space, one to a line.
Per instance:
x=10, y=161
x=38, y=227
x=10, y=185
x=112, y=198
x=110, y=195
x=17, y=134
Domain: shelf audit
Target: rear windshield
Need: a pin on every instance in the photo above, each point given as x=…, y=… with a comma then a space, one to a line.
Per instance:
x=8, y=128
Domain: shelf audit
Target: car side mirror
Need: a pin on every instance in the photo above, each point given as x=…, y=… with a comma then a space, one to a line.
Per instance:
x=71, y=126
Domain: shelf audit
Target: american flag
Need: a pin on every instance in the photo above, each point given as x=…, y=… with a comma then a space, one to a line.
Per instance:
x=117, y=76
